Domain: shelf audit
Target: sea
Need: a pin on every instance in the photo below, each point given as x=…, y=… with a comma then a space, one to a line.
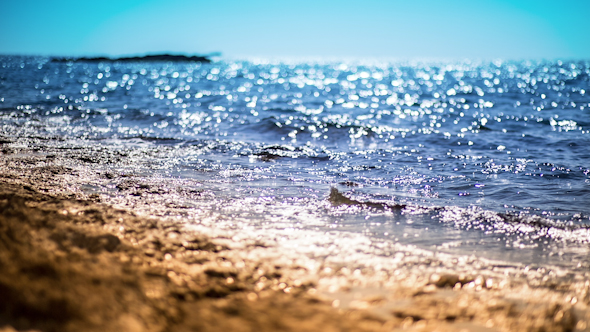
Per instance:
x=329, y=158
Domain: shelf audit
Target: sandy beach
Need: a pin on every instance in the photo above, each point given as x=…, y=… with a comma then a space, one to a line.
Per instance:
x=71, y=263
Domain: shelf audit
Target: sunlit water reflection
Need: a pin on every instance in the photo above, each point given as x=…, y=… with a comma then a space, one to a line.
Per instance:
x=490, y=159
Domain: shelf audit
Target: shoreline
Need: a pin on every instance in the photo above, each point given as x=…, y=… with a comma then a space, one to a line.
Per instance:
x=78, y=265
x=74, y=264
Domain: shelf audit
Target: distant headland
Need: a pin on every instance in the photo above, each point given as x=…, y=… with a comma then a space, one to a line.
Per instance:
x=145, y=58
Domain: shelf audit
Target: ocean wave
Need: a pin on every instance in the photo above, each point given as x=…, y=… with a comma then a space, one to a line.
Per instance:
x=576, y=229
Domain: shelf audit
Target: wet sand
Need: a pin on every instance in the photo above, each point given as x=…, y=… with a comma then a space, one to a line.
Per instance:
x=71, y=263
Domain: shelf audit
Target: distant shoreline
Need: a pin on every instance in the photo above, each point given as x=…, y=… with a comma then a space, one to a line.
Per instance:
x=146, y=58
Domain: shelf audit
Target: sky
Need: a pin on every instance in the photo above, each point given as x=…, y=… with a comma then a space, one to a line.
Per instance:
x=417, y=29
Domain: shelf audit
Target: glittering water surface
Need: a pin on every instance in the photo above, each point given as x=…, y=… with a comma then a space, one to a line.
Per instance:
x=485, y=158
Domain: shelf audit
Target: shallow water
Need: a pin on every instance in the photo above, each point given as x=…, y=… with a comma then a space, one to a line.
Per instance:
x=481, y=158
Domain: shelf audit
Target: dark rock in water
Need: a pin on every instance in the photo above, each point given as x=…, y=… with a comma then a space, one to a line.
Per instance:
x=350, y=184
x=337, y=199
x=146, y=58
x=267, y=156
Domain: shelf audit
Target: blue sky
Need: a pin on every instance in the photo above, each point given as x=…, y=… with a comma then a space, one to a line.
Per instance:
x=457, y=29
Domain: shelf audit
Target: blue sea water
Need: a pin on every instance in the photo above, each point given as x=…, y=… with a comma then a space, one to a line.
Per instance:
x=490, y=158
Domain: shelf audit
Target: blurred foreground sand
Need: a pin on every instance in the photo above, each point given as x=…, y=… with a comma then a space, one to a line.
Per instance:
x=69, y=264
